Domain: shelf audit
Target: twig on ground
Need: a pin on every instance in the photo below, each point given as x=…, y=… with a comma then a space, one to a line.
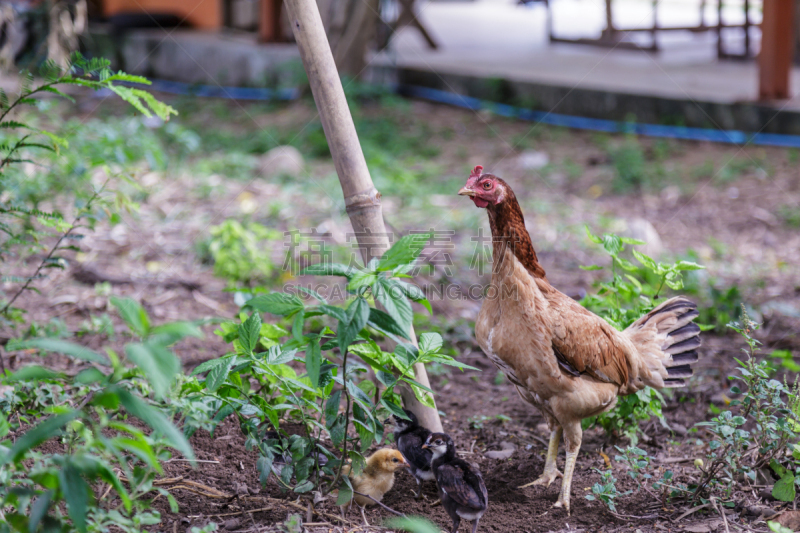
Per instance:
x=692, y=510
x=721, y=512
x=398, y=513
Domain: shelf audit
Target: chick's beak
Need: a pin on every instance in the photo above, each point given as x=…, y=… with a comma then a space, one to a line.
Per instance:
x=466, y=192
x=425, y=446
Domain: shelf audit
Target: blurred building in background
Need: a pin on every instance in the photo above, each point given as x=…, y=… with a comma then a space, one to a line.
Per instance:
x=594, y=58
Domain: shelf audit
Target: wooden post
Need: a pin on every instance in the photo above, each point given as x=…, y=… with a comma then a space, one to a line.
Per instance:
x=269, y=21
x=361, y=199
x=775, y=58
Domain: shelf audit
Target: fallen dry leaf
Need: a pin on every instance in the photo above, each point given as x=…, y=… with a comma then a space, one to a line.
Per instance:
x=790, y=519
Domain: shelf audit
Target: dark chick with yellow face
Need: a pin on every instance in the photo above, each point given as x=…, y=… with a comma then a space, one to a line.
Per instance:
x=461, y=488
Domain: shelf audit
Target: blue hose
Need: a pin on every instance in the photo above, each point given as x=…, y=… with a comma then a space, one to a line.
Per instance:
x=596, y=124
x=231, y=93
x=468, y=102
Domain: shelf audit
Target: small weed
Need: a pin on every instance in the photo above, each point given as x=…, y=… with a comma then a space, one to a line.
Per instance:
x=606, y=490
x=477, y=422
x=790, y=215
x=631, y=166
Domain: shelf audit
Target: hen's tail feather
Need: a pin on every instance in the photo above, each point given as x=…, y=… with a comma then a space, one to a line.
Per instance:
x=676, y=340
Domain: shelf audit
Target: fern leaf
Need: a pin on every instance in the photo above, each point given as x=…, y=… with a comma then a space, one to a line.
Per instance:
x=59, y=93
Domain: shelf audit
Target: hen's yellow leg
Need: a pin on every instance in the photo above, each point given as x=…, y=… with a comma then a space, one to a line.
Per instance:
x=566, y=483
x=550, y=469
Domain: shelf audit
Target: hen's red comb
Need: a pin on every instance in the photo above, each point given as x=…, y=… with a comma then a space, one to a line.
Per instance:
x=476, y=172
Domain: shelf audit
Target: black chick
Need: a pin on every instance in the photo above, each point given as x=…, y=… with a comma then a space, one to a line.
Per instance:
x=461, y=488
x=410, y=437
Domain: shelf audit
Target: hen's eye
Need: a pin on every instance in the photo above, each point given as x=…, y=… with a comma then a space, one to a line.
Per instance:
x=487, y=185
x=394, y=460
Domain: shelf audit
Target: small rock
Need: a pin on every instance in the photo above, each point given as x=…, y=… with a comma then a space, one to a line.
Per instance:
x=679, y=430
x=232, y=524
x=506, y=450
x=639, y=228
x=282, y=160
x=532, y=160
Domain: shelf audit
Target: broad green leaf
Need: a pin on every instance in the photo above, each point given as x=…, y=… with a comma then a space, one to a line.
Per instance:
x=359, y=395
x=394, y=409
x=313, y=294
x=625, y=264
x=336, y=430
x=171, y=333
x=332, y=407
x=158, y=364
x=276, y=303
x=264, y=467
x=133, y=314
x=784, y=489
x=33, y=373
x=412, y=292
x=413, y=524
x=591, y=267
x=76, y=494
x=645, y=260
x=386, y=324
x=276, y=357
x=404, y=251
x=361, y=279
x=612, y=244
x=395, y=303
x=688, y=265
x=336, y=312
x=38, y=434
x=249, y=333
x=594, y=238
x=632, y=241
x=356, y=317
x=39, y=510
x=208, y=365
x=313, y=362
x=217, y=375
x=407, y=353
x=329, y=269
x=153, y=418
x=344, y=496
x=430, y=342
x=60, y=346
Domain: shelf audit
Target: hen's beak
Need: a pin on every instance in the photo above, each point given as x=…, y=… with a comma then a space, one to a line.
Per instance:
x=466, y=192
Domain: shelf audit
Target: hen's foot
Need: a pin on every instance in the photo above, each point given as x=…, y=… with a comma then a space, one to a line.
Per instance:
x=546, y=479
x=562, y=503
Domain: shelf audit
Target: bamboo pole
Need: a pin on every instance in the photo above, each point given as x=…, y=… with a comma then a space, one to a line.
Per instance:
x=361, y=199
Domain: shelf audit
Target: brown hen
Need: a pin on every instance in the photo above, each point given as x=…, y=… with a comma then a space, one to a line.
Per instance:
x=563, y=359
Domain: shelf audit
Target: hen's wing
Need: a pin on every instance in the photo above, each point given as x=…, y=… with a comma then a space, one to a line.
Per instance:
x=463, y=486
x=410, y=445
x=584, y=343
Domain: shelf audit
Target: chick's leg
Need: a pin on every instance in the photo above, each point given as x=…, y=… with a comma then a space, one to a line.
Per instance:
x=364, y=516
x=550, y=469
x=456, y=523
x=573, y=434
x=475, y=526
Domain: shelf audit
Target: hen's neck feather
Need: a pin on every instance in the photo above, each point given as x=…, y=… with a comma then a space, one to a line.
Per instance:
x=509, y=233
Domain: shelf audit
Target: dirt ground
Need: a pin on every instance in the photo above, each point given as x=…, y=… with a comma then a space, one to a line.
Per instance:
x=738, y=233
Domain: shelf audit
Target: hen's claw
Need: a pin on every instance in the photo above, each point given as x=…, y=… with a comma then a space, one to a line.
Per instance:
x=560, y=503
x=545, y=479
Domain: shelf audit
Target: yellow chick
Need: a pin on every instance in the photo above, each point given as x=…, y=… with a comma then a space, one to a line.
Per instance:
x=377, y=478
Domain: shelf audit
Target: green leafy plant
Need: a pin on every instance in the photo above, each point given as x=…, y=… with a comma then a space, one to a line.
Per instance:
x=770, y=408
x=241, y=252
x=320, y=379
x=24, y=229
x=606, y=490
x=632, y=291
x=87, y=419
